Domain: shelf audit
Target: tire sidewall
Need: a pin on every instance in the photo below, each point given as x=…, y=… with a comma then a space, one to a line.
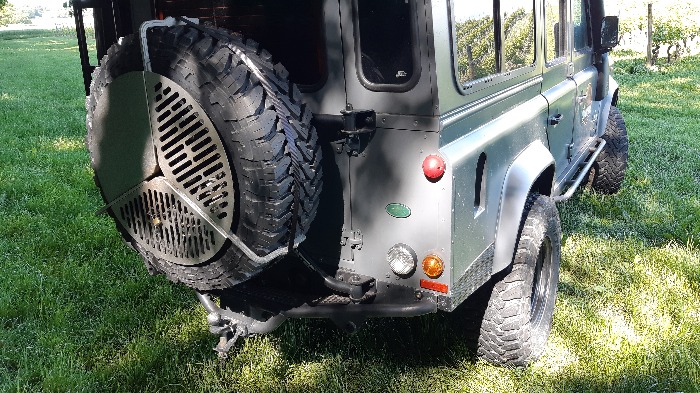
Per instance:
x=548, y=236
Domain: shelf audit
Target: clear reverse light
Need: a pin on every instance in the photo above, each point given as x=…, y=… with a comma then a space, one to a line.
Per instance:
x=402, y=259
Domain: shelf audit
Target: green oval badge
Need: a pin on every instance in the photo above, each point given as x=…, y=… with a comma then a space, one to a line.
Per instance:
x=398, y=210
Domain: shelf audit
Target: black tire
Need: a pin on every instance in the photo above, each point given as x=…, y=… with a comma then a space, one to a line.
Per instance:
x=518, y=316
x=608, y=170
x=248, y=122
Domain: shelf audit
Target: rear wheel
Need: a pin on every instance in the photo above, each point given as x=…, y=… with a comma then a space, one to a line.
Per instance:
x=517, y=313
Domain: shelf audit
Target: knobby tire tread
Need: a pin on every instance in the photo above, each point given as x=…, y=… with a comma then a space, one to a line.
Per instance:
x=608, y=170
x=506, y=335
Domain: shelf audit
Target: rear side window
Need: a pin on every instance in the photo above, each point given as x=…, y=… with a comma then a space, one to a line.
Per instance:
x=475, y=40
x=555, y=45
x=386, y=47
x=486, y=45
x=518, y=28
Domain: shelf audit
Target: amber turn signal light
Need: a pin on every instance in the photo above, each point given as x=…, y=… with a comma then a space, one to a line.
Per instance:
x=433, y=266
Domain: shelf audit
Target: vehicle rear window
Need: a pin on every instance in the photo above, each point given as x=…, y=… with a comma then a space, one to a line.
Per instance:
x=386, y=47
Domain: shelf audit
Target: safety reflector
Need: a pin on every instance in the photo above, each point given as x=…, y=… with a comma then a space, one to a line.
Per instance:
x=434, y=286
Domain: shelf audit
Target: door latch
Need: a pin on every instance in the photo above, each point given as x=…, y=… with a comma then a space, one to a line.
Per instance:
x=555, y=119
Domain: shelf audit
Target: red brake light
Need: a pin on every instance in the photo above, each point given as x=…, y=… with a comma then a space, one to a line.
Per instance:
x=433, y=167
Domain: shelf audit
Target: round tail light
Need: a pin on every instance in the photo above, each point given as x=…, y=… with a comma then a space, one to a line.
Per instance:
x=402, y=259
x=433, y=167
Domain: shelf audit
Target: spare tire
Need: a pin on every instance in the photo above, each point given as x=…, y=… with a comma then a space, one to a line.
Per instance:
x=258, y=173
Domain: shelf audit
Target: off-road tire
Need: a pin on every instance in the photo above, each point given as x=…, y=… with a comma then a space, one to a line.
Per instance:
x=518, y=315
x=248, y=122
x=608, y=170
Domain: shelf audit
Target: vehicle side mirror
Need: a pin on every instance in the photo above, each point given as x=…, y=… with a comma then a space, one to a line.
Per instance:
x=609, y=33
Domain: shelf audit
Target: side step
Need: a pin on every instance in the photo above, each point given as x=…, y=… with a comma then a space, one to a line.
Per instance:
x=584, y=166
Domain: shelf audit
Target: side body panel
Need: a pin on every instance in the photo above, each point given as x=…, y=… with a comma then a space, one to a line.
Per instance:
x=485, y=126
x=475, y=215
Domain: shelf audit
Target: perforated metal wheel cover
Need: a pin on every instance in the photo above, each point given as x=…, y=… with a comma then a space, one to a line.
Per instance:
x=190, y=157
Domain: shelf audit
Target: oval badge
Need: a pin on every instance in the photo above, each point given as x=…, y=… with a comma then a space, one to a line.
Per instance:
x=398, y=210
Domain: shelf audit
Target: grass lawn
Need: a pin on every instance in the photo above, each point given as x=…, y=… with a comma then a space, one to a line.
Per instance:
x=78, y=311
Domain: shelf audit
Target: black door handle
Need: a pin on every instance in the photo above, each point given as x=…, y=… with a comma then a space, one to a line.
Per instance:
x=555, y=119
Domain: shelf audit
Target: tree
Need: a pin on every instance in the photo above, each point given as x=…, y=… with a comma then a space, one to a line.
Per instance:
x=7, y=14
x=675, y=24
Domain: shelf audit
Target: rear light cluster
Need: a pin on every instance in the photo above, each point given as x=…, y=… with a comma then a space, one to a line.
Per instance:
x=433, y=285
x=403, y=260
x=433, y=266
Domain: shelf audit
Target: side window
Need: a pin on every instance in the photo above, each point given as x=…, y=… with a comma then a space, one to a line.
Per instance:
x=484, y=45
x=386, y=48
x=475, y=42
x=555, y=24
x=581, y=39
x=518, y=25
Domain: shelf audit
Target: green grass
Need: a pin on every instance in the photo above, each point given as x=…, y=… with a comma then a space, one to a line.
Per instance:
x=78, y=312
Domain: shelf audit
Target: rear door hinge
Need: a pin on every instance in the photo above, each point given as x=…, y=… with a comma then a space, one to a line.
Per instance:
x=352, y=238
x=359, y=126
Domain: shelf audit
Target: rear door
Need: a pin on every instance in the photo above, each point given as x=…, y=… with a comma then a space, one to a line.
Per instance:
x=558, y=86
x=569, y=82
x=387, y=71
x=585, y=74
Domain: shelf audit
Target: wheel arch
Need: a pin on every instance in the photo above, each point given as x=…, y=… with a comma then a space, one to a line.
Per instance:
x=532, y=170
x=608, y=101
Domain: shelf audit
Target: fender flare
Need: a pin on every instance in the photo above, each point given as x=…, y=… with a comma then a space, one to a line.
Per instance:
x=606, y=102
x=522, y=174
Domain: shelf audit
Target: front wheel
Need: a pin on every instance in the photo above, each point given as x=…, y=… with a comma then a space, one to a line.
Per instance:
x=518, y=315
x=608, y=170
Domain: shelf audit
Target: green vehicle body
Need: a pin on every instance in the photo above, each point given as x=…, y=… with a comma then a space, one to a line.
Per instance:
x=514, y=97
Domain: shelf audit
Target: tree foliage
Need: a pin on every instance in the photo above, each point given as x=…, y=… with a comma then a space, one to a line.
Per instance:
x=7, y=14
x=476, y=48
x=476, y=45
x=674, y=24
